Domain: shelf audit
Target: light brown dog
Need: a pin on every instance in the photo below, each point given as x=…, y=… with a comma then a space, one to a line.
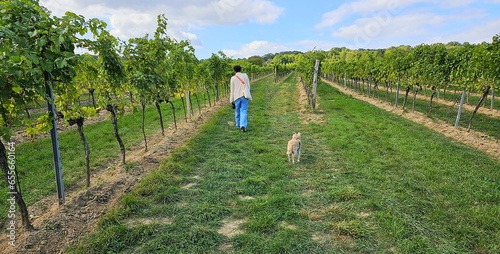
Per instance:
x=293, y=148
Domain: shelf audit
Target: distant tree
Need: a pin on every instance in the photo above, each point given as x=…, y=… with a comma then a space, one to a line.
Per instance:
x=257, y=60
x=269, y=56
x=453, y=43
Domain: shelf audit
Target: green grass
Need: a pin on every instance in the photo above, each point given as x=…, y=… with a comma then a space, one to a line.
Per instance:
x=368, y=182
x=450, y=95
x=34, y=159
x=482, y=123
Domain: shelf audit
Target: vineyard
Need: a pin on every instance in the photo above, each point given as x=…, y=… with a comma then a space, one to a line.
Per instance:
x=441, y=120
x=357, y=189
x=137, y=136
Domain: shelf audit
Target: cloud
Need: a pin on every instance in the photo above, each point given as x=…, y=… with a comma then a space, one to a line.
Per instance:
x=308, y=45
x=365, y=24
x=333, y=17
x=386, y=26
x=241, y=11
x=476, y=33
x=419, y=27
x=256, y=48
x=455, y=3
x=131, y=18
x=362, y=7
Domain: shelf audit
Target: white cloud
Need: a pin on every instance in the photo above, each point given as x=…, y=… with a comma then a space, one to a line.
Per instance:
x=366, y=23
x=455, y=3
x=335, y=16
x=388, y=26
x=372, y=32
x=308, y=45
x=131, y=18
x=239, y=11
x=392, y=7
x=255, y=48
x=475, y=33
x=363, y=7
x=137, y=24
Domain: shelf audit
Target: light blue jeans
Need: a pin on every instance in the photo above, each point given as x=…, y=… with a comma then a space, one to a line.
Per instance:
x=240, y=112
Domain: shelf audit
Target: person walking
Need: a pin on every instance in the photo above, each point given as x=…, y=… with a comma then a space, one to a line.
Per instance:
x=239, y=97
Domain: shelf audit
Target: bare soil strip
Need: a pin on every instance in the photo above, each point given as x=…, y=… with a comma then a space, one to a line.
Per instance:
x=473, y=138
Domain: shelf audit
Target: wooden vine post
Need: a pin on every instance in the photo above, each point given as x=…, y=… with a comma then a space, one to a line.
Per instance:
x=462, y=99
x=315, y=83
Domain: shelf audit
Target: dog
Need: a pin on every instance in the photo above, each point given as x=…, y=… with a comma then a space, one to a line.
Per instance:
x=293, y=148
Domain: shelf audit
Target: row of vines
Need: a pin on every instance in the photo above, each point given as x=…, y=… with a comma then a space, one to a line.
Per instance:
x=38, y=65
x=473, y=68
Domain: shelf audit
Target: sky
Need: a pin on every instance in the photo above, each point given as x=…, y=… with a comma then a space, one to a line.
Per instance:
x=244, y=28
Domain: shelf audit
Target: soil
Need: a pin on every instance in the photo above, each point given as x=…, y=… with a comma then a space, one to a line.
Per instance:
x=57, y=226
x=230, y=228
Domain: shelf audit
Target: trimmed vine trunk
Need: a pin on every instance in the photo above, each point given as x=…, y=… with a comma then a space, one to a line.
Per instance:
x=114, y=121
x=485, y=93
x=10, y=174
x=26, y=109
x=397, y=94
x=387, y=91
x=184, y=107
x=91, y=92
x=376, y=89
x=198, y=103
x=173, y=112
x=432, y=97
x=190, y=102
x=217, y=90
x=79, y=123
x=415, y=98
x=492, y=98
x=208, y=96
x=142, y=127
x=131, y=95
x=406, y=96
x=158, y=109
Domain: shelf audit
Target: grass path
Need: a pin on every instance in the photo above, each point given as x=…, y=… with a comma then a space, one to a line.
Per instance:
x=368, y=182
x=474, y=138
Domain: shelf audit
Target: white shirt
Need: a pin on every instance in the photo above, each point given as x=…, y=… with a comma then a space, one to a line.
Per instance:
x=238, y=89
